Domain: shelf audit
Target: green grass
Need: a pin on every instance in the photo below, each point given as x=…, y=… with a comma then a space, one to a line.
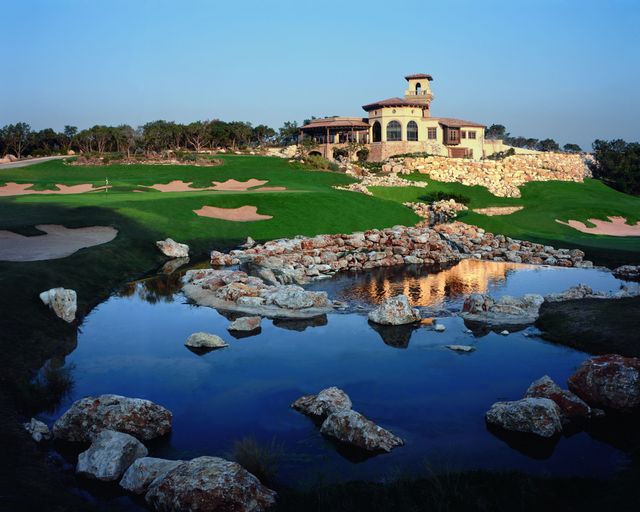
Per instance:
x=544, y=202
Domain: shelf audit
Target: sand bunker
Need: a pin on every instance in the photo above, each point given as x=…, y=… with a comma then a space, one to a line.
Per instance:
x=615, y=226
x=270, y=189
x=58, y=242
x=22, y=189
x=242, y=214
x=498, y=210
x=182, y=186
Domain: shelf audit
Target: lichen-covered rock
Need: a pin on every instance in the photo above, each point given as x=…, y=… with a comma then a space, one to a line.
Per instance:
x=538, y=416
x=173, y=249
x=506, y=310
x=295, y=297
x=144, y=471
x=609, y=381
x=326, y=402
x=395, y=311
x=205, y=340
x=209, y=484
x=351, y=427
x=628, y=272
x=135, y=416
x=38, y=430
x=62, y=301
x=572, y=407
x=109, y=456
x=245, y=323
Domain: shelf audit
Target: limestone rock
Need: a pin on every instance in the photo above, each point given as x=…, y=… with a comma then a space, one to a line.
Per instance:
x=89, y=416
x=64, y=302
x=173, y=249
x=353, y=428
x=628, y=272
x=504, y=311
x=109, y=456
x=394, y=311
x=245, y=323
x=295, y=297
x=38, y=430
x=323, y=404
x=609, y=381
x=573, y=409
x=460, y=348
x=539, y=416
x=209, y=484
x=144, y=471
x=205, y=340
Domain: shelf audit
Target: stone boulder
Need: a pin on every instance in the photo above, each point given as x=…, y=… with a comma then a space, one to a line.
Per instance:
x=38, y=430
x=64, y=302
x=572, y=408
x=394, y=311
x=580, y=291
x=245, y=324
x=109, y=456
x=461, y=348
x=328, y=401
x=173, y=249
x=351, y=427
x=628, y=272
x=538, y=416
x=209, y=484
x=144, y=471
x=295, y=297
x=504, y=311
x=609, y=381
x=89, y=416
x=205, y=340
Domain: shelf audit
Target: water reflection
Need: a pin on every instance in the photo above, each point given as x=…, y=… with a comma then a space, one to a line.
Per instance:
x=161, y=288
x=428, y=289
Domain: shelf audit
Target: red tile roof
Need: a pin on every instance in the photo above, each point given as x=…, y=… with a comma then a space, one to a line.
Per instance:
x=457, y=123
x=419, y=75
x=336, y=122
x=392, y=102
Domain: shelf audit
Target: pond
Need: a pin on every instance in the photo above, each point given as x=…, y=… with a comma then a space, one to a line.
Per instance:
x=435, y=399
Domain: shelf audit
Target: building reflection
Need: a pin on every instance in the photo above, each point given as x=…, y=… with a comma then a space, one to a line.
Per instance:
x=427, y=289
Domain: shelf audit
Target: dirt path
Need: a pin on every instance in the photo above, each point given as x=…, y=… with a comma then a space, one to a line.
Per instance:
x=31, y=161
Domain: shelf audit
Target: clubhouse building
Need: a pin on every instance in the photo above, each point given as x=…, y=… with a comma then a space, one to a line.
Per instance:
x=399, y=125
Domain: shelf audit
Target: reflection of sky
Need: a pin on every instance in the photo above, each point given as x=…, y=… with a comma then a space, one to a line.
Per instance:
x=434, y=398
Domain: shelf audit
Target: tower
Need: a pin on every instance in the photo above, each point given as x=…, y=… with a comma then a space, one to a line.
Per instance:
x=418, y=89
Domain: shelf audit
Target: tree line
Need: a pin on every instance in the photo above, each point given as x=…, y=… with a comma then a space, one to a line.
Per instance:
x=498, y=131
x=156, y=136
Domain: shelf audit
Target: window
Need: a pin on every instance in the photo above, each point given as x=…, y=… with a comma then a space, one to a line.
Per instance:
x=394, y=131
x=412, y=131
x=418, y=88
x=377, y=132
x=432, y=133
x=463, y=134
x=472, y=135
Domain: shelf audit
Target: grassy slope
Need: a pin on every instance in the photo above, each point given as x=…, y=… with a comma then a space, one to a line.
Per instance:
x=545, y=202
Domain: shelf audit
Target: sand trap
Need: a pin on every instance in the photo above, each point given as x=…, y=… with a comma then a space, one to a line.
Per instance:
x=185, y=186
x=58, y=242
x=498, y=210
x=21, y=189
x=242, y=214
x=615, y=226
x=270, y=189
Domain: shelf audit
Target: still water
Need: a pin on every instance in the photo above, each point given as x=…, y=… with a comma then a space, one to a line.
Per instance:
x=435, y=399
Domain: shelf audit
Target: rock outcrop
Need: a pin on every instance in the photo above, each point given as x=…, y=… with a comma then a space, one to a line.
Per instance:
x=353, y=428
x=503, y=311
x=573, y=409
x=62, y=301
x=628, y=272
x=209, y=484
x=245, y=324
x=437, y=211
x=38, y=430
x=608, y=381
x=173, y=249
x=144, y=471
x=205, y=340
x=395, y=311
x=328, y=401
x=109, y=456
x=538, y=416
x=89, y=416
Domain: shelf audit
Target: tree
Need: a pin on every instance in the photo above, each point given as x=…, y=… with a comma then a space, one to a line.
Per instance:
x=197, y=134
x=548, y=145
x=239, y=133
x=572, y=148
x=16, y=137
x=158, y=135
x=617, y=163
x=262, y=133
x=103, y=137
x=288, y=133
x=218, y=133
x=125, y=138
x=496, y=131
x=69, y=134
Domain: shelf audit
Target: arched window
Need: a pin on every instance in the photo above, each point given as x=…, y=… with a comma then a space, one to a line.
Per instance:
x=394, y=131
x=377, y=132
x=418, y=88
x=412, y=130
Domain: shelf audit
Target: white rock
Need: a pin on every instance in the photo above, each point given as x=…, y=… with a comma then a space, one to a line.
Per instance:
x=439, y=328
x=64, y=302
x=173, y=249
x=539, y=416
x=38, y=430
x=394, y=311
x=144, y=471
x=460, y=348
x=353, y=428
x=245, y=323
x=326, y=402
x=109, y=456
x=505, y=333
x=205, y=340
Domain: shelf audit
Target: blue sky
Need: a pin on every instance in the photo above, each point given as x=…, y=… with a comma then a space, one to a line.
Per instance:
x=557, y=68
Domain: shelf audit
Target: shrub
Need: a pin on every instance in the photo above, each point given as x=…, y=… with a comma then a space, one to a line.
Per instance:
x=362, y=155
x=372, y=166
x=417, y=154
x=321, y=163
x=262, y=460
x=501, y=155
x=617, y=163
x=444, y=196
x=340, y=152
